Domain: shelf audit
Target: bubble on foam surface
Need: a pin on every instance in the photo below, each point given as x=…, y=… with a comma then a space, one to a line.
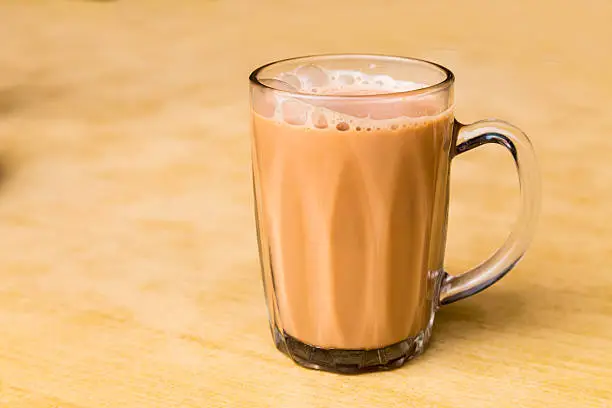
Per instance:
x=312, y=76
x=295, y=112
x=384, y=82
x=346, y=79
x=319, y=118
x=292, y=80
x=343, y=126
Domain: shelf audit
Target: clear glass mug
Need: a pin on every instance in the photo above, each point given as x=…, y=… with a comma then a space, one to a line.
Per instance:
x=351, y=162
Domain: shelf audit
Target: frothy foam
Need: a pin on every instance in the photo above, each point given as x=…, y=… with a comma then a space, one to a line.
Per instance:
x=316, y=113
x=316, y=80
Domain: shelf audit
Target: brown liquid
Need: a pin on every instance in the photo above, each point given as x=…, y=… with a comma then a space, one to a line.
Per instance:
x=352, y=227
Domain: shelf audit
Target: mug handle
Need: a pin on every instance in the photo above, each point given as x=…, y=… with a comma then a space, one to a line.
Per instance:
x=503, y=260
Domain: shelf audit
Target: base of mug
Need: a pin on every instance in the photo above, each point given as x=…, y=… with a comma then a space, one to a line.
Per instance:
x=352, y=361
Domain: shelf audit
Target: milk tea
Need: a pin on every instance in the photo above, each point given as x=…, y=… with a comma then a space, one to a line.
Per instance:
x=351, y=198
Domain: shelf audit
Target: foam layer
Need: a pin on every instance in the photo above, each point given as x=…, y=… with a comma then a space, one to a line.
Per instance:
x=341, y=113
x=318, y=81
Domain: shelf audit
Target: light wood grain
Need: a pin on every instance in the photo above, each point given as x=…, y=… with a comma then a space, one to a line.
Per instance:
x=128, y=264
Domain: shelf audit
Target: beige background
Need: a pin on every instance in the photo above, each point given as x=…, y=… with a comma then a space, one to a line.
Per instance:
x=128, y=268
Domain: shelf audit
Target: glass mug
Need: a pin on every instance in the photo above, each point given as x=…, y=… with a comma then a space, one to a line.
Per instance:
x=351, y=160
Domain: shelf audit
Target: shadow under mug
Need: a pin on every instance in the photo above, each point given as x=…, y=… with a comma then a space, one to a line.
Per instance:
x=351, y=164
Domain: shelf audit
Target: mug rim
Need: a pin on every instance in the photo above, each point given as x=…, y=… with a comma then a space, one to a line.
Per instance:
x=445, y=83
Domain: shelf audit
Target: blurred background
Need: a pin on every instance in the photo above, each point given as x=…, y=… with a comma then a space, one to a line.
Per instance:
x=128, y=269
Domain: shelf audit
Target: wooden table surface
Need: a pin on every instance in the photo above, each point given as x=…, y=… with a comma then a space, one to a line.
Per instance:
x=128, y=269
